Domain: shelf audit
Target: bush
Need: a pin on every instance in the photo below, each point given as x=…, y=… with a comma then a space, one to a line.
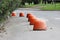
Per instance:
x=7, y=6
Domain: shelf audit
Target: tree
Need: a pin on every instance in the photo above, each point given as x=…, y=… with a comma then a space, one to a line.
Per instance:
x=36, y=1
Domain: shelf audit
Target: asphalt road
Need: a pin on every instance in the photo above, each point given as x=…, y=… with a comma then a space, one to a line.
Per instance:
x=18, y=28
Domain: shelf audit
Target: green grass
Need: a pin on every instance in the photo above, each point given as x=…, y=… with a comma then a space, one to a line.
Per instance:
x=45, y=7
x=50, y=6
x=2, y=20
x=28, y=6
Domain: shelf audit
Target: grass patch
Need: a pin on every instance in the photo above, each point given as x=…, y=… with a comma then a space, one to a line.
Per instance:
x=45, y=7
x=28, y=6
x=50, y=6
x=2, y=20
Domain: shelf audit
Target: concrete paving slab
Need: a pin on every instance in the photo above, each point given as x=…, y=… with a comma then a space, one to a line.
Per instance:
x=18, y=28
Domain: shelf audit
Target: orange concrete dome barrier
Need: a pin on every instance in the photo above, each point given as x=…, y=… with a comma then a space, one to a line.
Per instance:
x=32, y=21
x=28, y=15
x=40, y=25
x=13, y=14
x=21, y=14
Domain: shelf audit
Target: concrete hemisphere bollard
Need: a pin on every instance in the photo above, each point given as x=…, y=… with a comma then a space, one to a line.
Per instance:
x=13, y=14
x=28, y=15
x=40, y=25
x=32, y=20
x=21, y=14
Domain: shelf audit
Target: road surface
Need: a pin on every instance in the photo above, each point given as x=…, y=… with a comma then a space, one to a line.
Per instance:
x=18, y=28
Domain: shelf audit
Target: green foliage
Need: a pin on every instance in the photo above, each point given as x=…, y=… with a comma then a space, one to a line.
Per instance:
x=50, y=7
x=7, y=6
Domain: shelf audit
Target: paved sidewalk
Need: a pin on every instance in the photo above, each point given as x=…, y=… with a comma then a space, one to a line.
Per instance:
x=18, y=28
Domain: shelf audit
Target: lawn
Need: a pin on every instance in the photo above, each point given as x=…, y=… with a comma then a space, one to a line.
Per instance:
x=45, y=6
x=50, y=7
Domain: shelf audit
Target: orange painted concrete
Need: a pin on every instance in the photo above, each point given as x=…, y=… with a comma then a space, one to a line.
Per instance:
x=28, y=15
x=40, y=25
x=13, y=14
x=21, y=14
